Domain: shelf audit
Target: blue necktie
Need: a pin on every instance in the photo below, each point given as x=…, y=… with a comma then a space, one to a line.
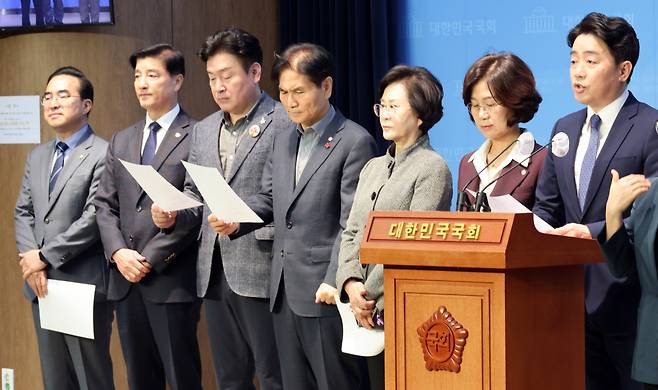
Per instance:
x=590, y=158
x=151, y=144
x=59, y=164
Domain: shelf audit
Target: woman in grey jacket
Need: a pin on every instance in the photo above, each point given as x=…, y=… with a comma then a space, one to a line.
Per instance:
x=410, y=176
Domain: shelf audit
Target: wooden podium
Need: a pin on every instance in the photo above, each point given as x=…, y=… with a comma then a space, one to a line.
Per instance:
x=479, y=301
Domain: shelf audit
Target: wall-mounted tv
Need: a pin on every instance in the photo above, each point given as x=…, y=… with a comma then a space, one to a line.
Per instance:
x=36, y=14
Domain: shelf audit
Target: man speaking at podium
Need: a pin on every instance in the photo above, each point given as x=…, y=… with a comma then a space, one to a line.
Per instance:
x=614, y=131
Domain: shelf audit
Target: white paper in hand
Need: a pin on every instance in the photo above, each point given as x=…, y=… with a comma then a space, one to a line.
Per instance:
x=68, y=308
x=222, y=200
x=168, y=197
x=357, y=340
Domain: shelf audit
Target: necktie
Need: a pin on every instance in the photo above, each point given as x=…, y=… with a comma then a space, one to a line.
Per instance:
x=59, y=164
x=589, y=159
x=151, y=144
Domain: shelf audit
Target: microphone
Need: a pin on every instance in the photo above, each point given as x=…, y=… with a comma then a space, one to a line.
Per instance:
x=559, y=147
x=526, y=144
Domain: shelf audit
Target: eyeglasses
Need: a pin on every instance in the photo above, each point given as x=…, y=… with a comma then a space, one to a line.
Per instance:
x=487, y=108
x=379, y=109
x=63, y=97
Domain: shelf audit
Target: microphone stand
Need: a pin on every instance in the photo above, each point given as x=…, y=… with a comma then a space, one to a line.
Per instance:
x=463, y=204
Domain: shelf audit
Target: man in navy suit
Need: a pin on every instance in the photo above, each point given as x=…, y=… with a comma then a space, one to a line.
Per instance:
x=307, y=189
x=614, y=131
x=153, y=271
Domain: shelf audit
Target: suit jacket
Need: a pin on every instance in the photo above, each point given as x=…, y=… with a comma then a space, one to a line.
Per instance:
x=64, y=227
x=631, y=147
x=124, y=213
x=310, y=216
x=631, y=252
x=520, y=182
x=246, y=260
x=416, y=178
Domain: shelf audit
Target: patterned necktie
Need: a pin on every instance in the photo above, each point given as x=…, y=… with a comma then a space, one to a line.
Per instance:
x=589, y=159
x=59, y=164
x=151, y=144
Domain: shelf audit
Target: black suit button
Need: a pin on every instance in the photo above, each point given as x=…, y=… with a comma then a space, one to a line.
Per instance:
x=281, y=252
x=131, y=238
x=373, y=196
x=139, y=209
x=289, y=225
x=46, y=221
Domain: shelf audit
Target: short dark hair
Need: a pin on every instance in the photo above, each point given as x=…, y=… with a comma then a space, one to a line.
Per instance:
x=510, y=82
x=173, y=59
x=86, y=89
x=233, y=41
x=309, y=59
x=615, y=32
x=424, y=91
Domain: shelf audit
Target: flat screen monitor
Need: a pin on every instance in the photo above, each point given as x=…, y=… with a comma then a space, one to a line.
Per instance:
x=37, y=14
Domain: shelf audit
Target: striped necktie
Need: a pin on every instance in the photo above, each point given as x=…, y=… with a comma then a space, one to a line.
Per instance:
x=59, y=164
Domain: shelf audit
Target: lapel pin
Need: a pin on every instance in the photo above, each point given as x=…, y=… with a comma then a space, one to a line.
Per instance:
x=262, y=120
x=656, y=126
x=82, y=156
x=177, y=135
x=328, y=144
x=254, y=131
x=523, y=172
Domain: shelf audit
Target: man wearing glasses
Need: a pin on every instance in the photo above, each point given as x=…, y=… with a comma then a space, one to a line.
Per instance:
x=56, y=232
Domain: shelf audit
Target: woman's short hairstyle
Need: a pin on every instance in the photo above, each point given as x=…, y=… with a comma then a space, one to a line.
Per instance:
x=510, y=82
x=424, y=91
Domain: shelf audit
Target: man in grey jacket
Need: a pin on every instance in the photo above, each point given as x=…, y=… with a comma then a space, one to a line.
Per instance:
x=56, y=232
x=233, y=276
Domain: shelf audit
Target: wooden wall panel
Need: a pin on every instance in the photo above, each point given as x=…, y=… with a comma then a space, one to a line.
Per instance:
x=102, y=53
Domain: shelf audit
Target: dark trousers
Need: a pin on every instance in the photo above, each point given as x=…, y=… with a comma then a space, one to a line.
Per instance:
x=376, y=371
x=608, y=359
x=53, y=14
x=309, y=351
x=38, y=10
x=89, y=11
x=71, y=362
x=241, y=336
x=159, y=341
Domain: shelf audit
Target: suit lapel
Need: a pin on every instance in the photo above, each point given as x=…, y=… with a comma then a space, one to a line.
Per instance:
x=45, y=163
x=213, y=144
x=289, y=161
x=177, y=132
x=617, y=134
x=135, y=143
x=567, y=162
x=470, y=171
x=262, y=119
x=77, y=156
x=319, y=153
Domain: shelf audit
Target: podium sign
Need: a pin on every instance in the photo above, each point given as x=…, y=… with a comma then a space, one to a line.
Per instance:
x=479, y=301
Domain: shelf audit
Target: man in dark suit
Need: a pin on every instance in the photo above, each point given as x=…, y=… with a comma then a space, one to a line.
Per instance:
x=57, y=235
x=233, y=277
x=38, y=13
x=307, y=189
x=152, y=275
x=615, y=131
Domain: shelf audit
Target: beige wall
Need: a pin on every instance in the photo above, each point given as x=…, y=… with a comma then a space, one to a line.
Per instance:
x=102, y=53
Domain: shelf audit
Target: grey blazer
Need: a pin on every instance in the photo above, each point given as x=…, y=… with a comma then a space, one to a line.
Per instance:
x=124, y=216
x=246, y=260
x=630, y=252
x=417, y=179
x=64, y=227
x=309, y=217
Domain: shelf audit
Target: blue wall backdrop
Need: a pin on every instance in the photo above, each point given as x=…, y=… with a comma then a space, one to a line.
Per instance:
x=448, y=36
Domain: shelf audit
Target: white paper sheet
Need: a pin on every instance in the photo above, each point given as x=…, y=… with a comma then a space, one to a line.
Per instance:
x=168, y=197
x=19, y=120
x=222, y=200
x=507, y=204
x=357, y=340
x=68, y=308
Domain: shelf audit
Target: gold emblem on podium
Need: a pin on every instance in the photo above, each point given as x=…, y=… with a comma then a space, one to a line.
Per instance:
x=442, y=340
